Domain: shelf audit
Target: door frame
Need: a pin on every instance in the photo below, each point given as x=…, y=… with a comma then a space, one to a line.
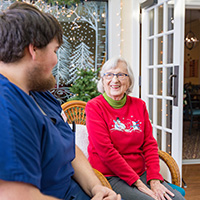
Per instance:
x=192, y=4
x=178, y=55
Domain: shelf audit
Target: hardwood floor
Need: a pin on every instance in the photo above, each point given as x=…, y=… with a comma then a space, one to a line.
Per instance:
x=191, y=175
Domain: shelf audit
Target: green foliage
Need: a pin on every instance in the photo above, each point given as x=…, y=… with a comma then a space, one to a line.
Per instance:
x=64, y=2
x=85, y=86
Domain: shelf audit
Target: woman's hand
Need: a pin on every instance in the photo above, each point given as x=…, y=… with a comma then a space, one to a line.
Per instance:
x=160, y=190
x=143, y=188
x=103, y=193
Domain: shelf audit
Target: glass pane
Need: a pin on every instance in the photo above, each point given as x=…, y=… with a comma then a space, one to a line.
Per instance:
x=168, y=114
x=168, y=143
x=170, y=42
x=160, y=81
x=151, y=22
x=151, y=109
x=170, y=15
x=159, y=112
x=160, y=50
x=159, y=138
x=151, y=49
x=160, y=19
x=169, y=83
x=150, y=81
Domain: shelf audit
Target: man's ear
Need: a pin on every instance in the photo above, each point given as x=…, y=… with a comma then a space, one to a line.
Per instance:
x=32, y=51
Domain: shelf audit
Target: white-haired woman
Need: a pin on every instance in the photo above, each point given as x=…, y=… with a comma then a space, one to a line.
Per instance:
x=121, y=144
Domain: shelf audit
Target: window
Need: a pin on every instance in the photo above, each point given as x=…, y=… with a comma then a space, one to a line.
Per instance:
x=85, y=40
x=85, y=43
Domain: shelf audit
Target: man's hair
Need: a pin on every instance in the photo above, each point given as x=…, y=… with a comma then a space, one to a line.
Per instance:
x=23, y=24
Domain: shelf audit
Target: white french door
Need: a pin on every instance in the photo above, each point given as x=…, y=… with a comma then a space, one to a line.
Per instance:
x=162, y=72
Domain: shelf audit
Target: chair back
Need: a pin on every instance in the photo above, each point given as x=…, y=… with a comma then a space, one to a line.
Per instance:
x=189, y=103
x=193, y=104
x=75, y=111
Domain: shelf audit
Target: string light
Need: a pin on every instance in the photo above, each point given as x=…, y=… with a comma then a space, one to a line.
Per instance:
x=71, y=16
x=121, y=36
x=103, y=15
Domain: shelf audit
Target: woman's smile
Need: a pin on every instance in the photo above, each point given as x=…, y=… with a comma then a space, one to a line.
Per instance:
x=116, y=87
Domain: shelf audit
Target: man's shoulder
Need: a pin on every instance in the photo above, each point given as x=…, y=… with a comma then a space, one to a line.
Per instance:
x=17, y=110
x=47, y=101
x=46, y=95
x=10, y=94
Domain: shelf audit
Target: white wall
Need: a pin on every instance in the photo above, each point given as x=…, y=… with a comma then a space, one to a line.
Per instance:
x=114, y=29
x=130, y=37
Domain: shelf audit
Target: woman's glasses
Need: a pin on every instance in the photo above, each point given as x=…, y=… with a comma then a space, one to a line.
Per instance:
x=110, y=75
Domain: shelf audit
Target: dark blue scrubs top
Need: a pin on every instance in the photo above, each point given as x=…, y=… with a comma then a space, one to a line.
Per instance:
x=35, y=148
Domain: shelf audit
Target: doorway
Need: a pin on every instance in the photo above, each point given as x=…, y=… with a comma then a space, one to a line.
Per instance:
x=191, y=139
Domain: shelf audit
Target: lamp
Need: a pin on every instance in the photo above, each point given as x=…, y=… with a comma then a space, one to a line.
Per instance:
x=190, y=38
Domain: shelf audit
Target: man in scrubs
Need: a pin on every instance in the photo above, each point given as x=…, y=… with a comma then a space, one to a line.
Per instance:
x=38, y=156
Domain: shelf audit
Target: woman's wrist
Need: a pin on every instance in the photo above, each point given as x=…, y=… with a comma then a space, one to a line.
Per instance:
x=137, y=183
x=154, y=182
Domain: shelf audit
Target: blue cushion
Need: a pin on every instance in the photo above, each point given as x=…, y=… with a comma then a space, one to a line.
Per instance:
x=181, y=190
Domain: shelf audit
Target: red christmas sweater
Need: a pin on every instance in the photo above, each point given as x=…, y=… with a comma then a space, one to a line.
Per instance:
x=121, y=141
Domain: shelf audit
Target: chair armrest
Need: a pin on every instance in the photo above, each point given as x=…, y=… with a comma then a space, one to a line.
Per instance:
x=169, y=161
x=102, y=178
x=172, y=165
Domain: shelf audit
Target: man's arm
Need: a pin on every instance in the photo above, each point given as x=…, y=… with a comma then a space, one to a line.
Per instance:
x=83, y=172
x=21, y=191
x=87, y=179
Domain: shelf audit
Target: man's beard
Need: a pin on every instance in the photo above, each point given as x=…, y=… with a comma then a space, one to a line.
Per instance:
x=37, y=83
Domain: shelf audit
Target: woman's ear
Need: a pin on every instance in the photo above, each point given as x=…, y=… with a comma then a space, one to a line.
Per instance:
x=32, y=51
x=130, y=82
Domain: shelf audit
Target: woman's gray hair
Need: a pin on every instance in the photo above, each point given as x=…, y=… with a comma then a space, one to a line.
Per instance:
x=111, y=64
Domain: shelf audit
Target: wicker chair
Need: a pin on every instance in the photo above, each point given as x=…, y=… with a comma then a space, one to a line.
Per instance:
x=75, y=111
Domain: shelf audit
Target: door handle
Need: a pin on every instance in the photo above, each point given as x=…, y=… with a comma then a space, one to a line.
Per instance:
x=170, y=78
x=174, y=85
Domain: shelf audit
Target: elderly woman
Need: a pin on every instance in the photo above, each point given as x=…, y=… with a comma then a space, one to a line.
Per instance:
x=121, y=144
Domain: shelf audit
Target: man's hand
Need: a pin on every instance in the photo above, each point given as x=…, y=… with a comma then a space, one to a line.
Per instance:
x=160, y=190
x=143, y=188
x=100, y=192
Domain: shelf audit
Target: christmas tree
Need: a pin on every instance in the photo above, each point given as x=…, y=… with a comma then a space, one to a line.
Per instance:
x=85, y=86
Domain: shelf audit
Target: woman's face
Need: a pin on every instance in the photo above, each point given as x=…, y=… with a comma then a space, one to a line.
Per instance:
x=116, y=87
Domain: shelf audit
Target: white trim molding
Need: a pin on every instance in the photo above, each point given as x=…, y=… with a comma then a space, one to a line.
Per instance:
x=191, y=161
